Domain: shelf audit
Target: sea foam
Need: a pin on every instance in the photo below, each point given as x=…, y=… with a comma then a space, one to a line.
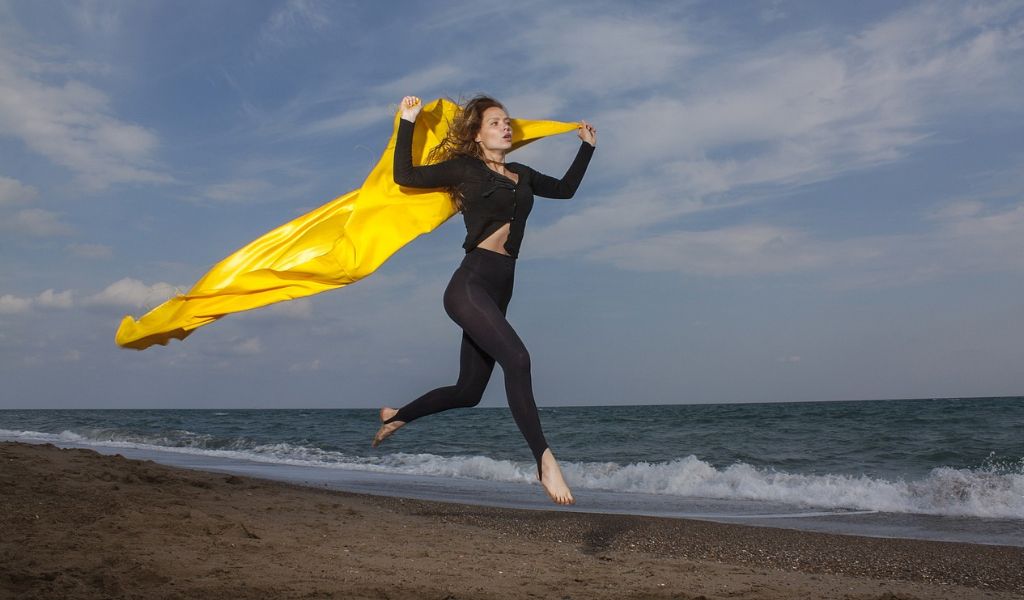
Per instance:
x=991, y=491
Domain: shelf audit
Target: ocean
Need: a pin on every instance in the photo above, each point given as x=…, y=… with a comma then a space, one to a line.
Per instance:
x=944, y=469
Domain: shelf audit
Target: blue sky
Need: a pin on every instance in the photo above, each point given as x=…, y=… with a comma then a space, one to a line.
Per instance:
x=790, y=201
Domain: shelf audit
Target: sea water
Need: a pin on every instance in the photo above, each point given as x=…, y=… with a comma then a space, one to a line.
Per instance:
x=948, y=469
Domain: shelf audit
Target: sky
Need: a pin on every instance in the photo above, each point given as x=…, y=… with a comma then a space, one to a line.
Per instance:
x=789, y=201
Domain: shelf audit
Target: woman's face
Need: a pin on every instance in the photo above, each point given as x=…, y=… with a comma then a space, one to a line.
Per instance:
x=495, y=130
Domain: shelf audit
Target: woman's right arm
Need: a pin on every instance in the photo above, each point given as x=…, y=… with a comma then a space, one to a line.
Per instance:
x=443, y=174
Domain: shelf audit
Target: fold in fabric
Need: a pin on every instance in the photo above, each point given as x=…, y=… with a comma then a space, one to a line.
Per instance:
x=334, y=245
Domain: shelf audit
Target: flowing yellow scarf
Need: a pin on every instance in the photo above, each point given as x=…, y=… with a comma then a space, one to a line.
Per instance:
x=334, y=245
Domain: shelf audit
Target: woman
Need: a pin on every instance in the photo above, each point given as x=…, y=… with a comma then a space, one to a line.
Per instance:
x=495, y=198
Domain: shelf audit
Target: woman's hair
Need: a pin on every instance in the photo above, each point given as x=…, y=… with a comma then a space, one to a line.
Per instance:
x=460, y=140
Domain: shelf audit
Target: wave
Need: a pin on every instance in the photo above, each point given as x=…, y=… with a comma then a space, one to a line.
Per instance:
x=990, y=491
x=944, y=491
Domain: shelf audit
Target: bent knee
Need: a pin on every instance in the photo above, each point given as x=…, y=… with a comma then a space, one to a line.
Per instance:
x=468, y=398
x=516, y=362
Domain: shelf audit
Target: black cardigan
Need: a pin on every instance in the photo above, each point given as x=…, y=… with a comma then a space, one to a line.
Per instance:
x=490, y=200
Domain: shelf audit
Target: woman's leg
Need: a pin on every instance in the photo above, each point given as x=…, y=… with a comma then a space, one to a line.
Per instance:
x=477, y=299
x=475, y=368
x=478, y=306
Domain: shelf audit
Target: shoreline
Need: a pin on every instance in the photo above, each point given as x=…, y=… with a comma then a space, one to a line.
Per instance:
x=471, y=491
x=86, y=525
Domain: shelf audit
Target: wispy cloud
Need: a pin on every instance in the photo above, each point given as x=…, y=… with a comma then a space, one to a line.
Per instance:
x=125, y=294
x=129, y=293
x=73, y=124
x=292, y=23
x=36, y=222
x=301, y=309
x=421, y=81
x=329, y=109
x=305, y=367
x=802, y=110
x=96, y=17
x=773, y=12
x=239, y=190
x=348, y=120
x=49, y=299
x=14, y=192
x=966, y=237
x=52, y=299
x=14, y=305
x=247, y=347
x=739, y=250
x=607, y=54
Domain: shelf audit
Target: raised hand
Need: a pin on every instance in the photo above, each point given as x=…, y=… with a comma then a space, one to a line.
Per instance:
x=411, y=107
x=587, y=133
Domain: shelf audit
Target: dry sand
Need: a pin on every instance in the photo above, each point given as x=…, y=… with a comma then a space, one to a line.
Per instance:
x=77, y=524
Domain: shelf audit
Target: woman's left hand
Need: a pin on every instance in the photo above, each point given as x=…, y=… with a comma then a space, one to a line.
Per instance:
x=587, y=133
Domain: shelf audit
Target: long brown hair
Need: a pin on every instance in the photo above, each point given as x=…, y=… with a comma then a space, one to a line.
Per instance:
x=460, y=140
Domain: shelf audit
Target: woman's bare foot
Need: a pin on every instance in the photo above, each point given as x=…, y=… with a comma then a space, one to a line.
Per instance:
x=552, y=479
x=386, y=429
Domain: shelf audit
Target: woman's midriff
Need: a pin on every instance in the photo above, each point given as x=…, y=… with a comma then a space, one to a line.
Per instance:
x=496, y=241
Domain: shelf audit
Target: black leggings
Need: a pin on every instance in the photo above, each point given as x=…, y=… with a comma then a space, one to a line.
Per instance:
x=476, y=299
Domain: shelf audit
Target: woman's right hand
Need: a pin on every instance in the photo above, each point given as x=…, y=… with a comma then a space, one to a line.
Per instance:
x=411, y=107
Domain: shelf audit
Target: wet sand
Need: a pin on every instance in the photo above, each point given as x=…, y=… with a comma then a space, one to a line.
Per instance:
x=77, y=524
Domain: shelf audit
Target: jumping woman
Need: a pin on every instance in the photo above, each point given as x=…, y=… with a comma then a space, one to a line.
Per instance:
x=495, y=198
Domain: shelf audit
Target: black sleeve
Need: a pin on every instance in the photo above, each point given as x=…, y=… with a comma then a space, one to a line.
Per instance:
x=549, y=187
x=444, y=174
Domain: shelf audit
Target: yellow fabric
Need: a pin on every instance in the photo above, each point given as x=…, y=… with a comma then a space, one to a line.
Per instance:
x=339, y=243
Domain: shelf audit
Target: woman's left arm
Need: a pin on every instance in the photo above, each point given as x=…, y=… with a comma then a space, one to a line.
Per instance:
x=564, y=188
x=549, y=187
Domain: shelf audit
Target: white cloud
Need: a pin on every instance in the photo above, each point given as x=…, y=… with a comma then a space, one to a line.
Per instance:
x=420, y=81
x=239, y=190
x=793, y=114
x=601, y=220
x=290, y=309
x=13, y=305
x=293, y=119
x=292, y=22
x=247, y=347
x=607, y=54
x=800, y=110
x=36, y=222
x=967, y=237
x=772, y=12
x=300, y=309
x=740, y=250
x=27, y=221
x=539, y=105
x=49, y=299
x=1001, y=231
x=72, y=124
x=96, y=17
x=348, y=120
x=305, y=367
x=13, y=192
x=131, y=293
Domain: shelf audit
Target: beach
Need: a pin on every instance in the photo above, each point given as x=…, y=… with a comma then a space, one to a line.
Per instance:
x=78, y=524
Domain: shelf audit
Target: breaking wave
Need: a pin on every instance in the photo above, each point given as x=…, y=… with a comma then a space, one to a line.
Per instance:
x=989, y=491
